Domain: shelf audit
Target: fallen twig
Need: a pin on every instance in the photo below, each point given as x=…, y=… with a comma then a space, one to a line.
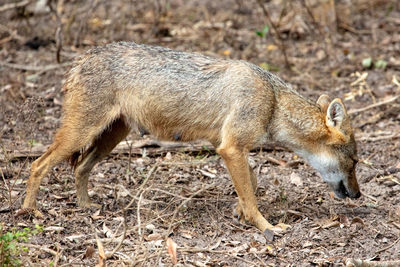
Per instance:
x=369, y=138
x=184, y=203
x=59, y=32
x=122, y=238
x=366, y=263
x=210, y=250
x=387, y=247
x=35, y=68
x=13, y=34
x=384, y=102
x=15, y=5
x=138, y=216
x=278, y=35
x=45, y=249
x=177, y=210
x=370, y=197
x=139, y=147
x=100, y=247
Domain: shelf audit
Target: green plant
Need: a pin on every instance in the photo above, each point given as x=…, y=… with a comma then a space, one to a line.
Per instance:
x=10, y=245
x=263, y=32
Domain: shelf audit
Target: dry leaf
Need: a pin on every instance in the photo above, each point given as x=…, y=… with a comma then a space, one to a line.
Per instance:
x=331, y=224
x=89, y=252
x=272, y=47
x=296, y=179
x=357, y=220
x=307, y=244
x=97, y=215
x=54, y=228
x=75, y=237
x=168, y=156
x=343, y=219
x=396, y=82
x=208, y=174
x=107, y=231
x=102, y=255
x=398, y=211
x=154, y=236
x=187, y=235
x=171, y=245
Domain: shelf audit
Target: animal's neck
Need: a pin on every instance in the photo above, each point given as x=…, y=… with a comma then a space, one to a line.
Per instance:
x=297, y=122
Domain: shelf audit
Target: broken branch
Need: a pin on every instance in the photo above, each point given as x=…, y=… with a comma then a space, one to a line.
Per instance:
x=384, y=102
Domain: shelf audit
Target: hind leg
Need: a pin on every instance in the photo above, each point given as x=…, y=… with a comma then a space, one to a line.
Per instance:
x=99, y=149
x=67, y=141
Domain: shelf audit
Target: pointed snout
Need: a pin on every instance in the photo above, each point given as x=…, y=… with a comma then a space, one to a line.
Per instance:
x=348, y=188
x=351, y=186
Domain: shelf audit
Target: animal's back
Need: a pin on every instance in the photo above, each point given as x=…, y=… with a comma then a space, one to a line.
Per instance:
x=169, y=92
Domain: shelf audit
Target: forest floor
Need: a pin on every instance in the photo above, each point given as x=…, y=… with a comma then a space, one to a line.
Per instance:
x=150, y=191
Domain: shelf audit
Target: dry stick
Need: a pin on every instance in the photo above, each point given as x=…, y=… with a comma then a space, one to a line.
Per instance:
x=208, y=250
x=35, y=68
x=52, y=252
x=366, y=263
x=152, y=146
x=15, y=5
x=316, y=24
x=138, y=216
x=59, y=32
x=10, y=189
x=122, y=237
x=370, y=197
x=59, y=253
x=100, y=247
x=384, y=102
x=186, y=201
x=7, y=187
x=387, y=247
x=152, y=170
x=83, y=22
x=177, y=210
x=278, y=35
x=369, y=138
x=13, y=34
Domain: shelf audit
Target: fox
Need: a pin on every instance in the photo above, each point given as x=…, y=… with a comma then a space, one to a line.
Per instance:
x=179, y=96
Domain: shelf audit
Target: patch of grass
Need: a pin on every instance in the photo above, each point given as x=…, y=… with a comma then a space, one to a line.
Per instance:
x=10, y=246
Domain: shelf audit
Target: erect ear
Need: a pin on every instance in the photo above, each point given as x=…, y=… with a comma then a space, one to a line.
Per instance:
x=323, y=102
x=336, y=114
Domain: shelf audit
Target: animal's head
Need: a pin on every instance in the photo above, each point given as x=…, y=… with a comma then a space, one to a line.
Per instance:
x=335, y=156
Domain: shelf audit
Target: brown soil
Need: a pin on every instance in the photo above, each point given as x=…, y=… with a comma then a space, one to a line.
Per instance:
x=187, y=195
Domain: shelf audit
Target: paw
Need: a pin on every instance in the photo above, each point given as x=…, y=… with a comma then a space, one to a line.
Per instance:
x=281, y=227
x=275, y=230
x=239, y=215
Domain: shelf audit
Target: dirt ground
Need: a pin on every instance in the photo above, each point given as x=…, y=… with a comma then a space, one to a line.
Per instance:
x=184, y=192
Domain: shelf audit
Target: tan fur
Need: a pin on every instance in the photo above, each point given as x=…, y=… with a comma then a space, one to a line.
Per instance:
x=182, y=96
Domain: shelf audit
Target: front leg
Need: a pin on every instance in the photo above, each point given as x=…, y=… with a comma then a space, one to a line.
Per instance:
x=238, y=167
x=253, y=178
